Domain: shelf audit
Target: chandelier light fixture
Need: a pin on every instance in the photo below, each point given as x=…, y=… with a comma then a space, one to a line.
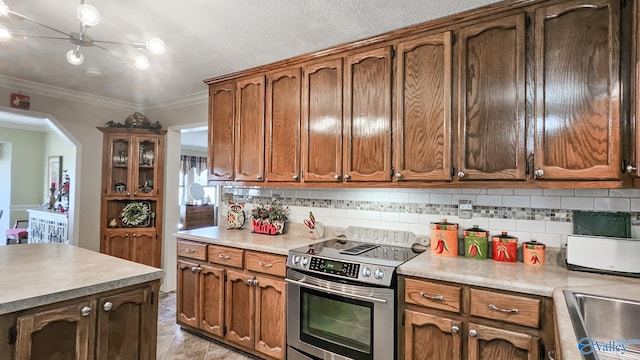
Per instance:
x=89, y=16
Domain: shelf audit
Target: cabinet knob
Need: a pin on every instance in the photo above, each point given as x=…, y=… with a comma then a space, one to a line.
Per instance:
x=107, y=306
x=337, y=177
x=194, y=269
x=347, y=177
x=296, y=177
x=398, y=175
x=229, y=177
x=126, y=235
x=473, y=333
x=631, y=169
x=128, y=193
x=249, y=282
x=539, y=172
x=135, y=194
x=461, y=174
x=86, y=311
x=455, y=329
x=259, y=177
x=134, y=235
x=255, y=282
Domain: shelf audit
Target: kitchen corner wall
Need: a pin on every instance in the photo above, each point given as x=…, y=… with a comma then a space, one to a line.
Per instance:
x=544, y=215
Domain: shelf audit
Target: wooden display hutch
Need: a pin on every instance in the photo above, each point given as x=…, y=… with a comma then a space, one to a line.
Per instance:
x=131, y=201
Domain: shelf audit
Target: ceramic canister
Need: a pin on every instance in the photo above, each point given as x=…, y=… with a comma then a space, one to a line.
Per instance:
x=476, y=243
x=533, y=253
x=444, y=238
x=505, y=247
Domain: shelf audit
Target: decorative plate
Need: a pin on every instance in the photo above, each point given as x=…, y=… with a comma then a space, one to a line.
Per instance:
x=136, y=214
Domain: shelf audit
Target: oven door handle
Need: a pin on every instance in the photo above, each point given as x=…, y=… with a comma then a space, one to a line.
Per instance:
x=335, y=292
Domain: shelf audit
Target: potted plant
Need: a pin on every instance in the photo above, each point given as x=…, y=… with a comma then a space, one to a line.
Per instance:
x=269, y=218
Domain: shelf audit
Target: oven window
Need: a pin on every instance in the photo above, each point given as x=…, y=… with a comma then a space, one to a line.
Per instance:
x=337, y=324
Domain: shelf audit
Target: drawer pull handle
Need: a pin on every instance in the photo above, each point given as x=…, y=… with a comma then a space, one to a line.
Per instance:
x=510, y=311
x=432, y=297
x=190, y=251
x=224, y=257
x=265, y=265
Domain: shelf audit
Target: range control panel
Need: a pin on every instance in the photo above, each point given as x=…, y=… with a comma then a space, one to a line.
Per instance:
x=333, y=267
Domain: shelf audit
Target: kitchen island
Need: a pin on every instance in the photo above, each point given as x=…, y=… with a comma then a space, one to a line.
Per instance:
x=61, y=301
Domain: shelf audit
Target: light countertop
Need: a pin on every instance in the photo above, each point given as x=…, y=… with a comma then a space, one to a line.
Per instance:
x=245, y=239
x=40, y=274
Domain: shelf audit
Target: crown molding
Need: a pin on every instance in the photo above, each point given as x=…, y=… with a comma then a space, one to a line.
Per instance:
x=198, y=98
x=16, y=84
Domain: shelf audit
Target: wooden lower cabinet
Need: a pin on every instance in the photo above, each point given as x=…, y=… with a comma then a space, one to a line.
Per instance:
x=433, y=331
x=431, y=337
x=240, y=307
x=120, y=325
x=487, y=343
x=141, y=246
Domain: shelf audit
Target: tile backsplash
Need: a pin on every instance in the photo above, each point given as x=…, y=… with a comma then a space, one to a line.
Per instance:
x=529, y=214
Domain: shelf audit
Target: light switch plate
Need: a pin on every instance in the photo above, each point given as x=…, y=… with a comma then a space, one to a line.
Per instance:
x=465, y=209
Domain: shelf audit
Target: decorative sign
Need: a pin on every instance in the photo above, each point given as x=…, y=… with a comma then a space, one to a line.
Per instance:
x=20, y=101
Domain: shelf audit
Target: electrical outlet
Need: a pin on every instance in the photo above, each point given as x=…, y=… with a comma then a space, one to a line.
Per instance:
x=465, y=209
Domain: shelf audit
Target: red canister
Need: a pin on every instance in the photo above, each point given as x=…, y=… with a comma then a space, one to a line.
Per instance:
x=505, y=247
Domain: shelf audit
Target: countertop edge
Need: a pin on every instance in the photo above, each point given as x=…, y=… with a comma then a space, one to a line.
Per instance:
x=47, y=299
x=234, y=244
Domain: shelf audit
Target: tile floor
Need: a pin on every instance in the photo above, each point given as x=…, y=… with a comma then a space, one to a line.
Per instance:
x=177, y=344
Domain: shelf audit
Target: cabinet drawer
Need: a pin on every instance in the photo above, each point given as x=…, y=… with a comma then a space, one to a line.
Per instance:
x=510, y=308
x=226, y=256
x=192, y=250
x=267, y=263
x=432, y=295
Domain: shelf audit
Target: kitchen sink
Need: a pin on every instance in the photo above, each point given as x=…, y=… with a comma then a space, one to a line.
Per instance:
x=606, y=328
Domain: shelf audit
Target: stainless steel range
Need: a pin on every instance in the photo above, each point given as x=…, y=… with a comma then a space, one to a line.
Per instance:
x=341, y=300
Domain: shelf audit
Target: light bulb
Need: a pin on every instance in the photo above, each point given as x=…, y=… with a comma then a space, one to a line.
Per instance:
x=4, y=9
x=5, y=35
x=141, y=62
x=156, y=46
x=73, y=58
x=88, y=15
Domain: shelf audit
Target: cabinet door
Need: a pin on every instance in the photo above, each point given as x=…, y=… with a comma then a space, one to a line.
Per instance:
x=423, y=115
x=283, y=125
x=127, y=326
x=367, y=116
x=431, y=337
x=145, y=247
x=271, y=318
x=322, y=121
x=117, y=243
x=487, y=343
x=221, y=131
x=250, y=130
x=240, y=308
x=211, y=300
x=62, y=333
x=117, y=165
x=491, y=128
x=147, y=155
x=187, y=306
x=578, y=90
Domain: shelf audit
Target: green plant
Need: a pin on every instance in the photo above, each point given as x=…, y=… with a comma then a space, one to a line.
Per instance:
x=272, y=212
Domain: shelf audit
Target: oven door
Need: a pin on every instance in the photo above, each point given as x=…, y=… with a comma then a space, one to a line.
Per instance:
x=332, y=320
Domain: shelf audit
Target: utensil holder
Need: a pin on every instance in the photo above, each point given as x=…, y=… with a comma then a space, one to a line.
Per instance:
x=317, y=232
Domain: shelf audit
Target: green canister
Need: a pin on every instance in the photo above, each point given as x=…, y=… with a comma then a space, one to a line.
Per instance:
x=476, y=243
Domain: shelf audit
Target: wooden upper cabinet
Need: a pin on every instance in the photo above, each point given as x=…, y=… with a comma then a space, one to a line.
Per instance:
x=283, y=125
x=578, y=90
x=423, y=112
x=367, y=116
x=491, y=117
x=221, y=128
x=322, y=121
x=250, y=132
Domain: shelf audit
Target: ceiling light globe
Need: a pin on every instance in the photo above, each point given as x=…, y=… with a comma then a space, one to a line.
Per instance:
x=73, y=58
x=156, y=46
x=5, y=35
x=4, y=9
x=88, y=15
x=141, y=62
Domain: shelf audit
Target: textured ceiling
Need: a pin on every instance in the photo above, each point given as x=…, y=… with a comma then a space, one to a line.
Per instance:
x=205, y=38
